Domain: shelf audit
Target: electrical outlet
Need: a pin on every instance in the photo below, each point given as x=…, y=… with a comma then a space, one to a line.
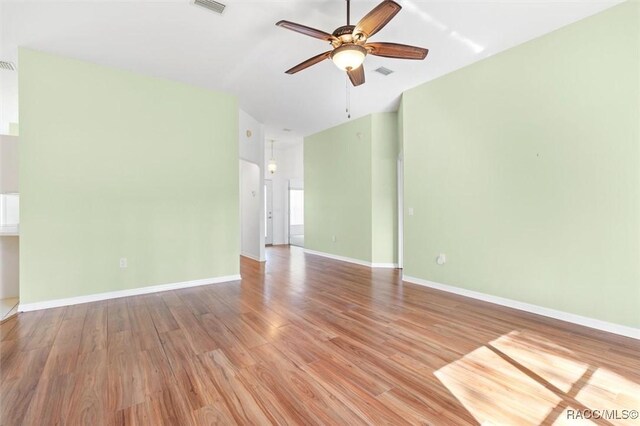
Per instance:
x=123, y=262
x=441, y=259
x=333, y=238
x=410, y=212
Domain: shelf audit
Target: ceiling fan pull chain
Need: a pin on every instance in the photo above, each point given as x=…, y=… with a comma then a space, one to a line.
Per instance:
x=348, y=98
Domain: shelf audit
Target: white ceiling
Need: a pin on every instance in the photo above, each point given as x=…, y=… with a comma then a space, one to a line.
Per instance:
x=244, y=53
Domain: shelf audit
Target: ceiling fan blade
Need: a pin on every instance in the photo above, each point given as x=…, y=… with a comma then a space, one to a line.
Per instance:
x=356, y=76
x=377, y=18
x=395, y=50
x=303, y=29
x=311, y=61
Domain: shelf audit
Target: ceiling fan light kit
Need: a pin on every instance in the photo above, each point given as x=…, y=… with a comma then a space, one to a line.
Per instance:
x=348, y=56
x=349, y=42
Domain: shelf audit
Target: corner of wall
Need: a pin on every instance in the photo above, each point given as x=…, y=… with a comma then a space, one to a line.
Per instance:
x=384, y=194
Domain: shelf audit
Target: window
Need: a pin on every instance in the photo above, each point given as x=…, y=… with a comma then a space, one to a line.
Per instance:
x=296, y=207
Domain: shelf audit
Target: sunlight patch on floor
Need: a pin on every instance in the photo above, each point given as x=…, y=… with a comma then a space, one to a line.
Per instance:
x=496, y=392
x=548, y=360
x=622, y=393
x=523, y=378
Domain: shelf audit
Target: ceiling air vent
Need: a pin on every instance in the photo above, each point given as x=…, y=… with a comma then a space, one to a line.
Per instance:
x=384, y=71
x=211, y=5
x=8, y=66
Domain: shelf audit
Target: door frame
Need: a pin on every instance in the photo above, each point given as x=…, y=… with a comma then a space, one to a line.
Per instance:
x=400, y=180
x=268, y=214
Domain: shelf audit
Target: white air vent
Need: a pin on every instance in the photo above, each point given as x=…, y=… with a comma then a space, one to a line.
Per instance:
x=7, y=66
x=211, y=5
x=384, y=71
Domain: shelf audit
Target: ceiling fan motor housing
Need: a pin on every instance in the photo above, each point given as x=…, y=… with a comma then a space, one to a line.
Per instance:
x=344, y=30
x=345, y=35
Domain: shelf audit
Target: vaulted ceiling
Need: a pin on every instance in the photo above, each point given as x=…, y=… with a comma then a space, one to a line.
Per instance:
x=243, y=52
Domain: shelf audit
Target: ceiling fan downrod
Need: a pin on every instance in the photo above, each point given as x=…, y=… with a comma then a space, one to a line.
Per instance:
x=348, y=12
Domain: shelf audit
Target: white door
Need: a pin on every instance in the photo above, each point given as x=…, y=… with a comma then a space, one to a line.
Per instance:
x=268, y=212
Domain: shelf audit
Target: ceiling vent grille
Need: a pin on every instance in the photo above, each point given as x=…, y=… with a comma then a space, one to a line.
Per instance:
x=211, y=5
x=384, y=71
x=8, y=66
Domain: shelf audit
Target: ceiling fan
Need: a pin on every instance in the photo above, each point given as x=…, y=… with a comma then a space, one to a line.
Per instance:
x=350, y=42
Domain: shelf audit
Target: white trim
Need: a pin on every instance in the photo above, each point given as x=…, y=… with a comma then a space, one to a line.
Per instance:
x=385, y=265
x=351, y=260
x=26, y=307
x=252, y=257
x=400, y=208
x=341, y=258
x=622, y=330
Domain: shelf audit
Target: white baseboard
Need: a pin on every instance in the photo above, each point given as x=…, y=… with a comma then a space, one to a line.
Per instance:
x=341, y=258
x=622, y=330
x=384, y=265
x=26, y=307
x=351, y=260
x=252, y=257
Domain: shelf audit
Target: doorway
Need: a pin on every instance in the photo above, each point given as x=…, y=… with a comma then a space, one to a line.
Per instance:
x=9, y=227
x=251, y=238
x=296, y=214
x=268, y=212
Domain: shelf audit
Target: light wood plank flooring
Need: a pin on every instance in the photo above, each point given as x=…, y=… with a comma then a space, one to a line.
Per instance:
x=308, y=340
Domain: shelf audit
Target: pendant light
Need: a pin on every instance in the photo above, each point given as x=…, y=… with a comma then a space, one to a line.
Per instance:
x=272, y=166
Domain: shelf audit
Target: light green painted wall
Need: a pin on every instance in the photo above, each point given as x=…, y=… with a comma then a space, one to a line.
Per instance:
x=114, y=164
x=350, y=189
x=384, y=187
x=337, y=190
x=524, y=169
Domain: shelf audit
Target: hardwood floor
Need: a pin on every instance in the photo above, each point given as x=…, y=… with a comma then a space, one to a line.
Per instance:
x=308, y=340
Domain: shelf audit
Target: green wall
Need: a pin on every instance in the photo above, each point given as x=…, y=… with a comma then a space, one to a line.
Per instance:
x=524, y=169
x=114, y=164
x=384, y=187
x=337, y=190
x=350, y=189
